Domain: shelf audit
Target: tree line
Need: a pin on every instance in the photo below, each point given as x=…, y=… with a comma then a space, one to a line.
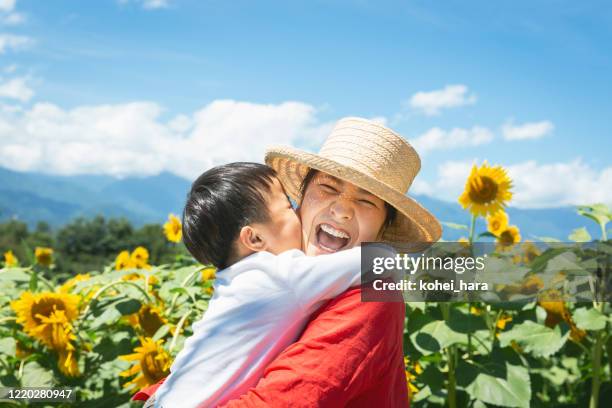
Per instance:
x=86, y=244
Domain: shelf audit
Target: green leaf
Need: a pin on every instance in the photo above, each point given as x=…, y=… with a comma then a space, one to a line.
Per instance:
x=36, y=376
x=128, y=307
x=589, y=319
x=539, y=263
x=455, y=226
x=161, y=332
x=108, y=317
x=508, y=385
x=600, y=213
x=435, y=336
x=16, y=275
x=580, y=235
x=417, y=305
x=7, y=346
x=33, y=281
x=564, y=262
x=534, y=338
x=487, y=234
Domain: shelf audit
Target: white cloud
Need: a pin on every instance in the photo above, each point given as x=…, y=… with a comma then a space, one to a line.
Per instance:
x=149, y=4
x=131, y=139
x=16, y=88
x=534, y=185
x=155, y=4
x=10, y=69
x=7, y=16
x=431, y=103
x=13, y=19
x=532, y=130
x=10, y=41
x=436, y=138
x=7, y=5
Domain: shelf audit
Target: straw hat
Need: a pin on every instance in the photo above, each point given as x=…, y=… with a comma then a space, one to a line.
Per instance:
x=375, y=158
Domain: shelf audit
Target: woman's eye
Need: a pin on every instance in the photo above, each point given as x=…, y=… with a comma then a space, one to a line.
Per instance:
x=327, y=188
x=367, y=202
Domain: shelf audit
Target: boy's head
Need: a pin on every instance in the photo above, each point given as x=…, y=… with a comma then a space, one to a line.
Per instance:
x=236, y=209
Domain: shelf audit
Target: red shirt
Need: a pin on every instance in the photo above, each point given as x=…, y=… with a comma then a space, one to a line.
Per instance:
x=350, y=355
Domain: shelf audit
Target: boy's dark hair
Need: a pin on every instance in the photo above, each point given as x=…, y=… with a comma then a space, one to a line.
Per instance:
x=391, y=211
x=222, y=201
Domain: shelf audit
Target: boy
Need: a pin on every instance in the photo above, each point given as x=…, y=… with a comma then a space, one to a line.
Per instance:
x=238, y=218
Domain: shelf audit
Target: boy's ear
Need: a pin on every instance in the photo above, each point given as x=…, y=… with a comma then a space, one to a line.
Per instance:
x=251, y=238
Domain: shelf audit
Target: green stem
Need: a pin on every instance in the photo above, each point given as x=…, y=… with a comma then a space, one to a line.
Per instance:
x=609, y=350
x=604, y=234
x=596, y=362
x=177, y=330
x=451, y=355
x=472, y=228
x=452, y=381
x=176, y=295
x=483, y=344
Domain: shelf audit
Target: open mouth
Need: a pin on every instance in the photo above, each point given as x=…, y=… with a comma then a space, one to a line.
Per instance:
x=331, y=239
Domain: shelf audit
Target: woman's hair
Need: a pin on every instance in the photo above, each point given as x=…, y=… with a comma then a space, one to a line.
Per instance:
x=222, y=201
x=391, y=212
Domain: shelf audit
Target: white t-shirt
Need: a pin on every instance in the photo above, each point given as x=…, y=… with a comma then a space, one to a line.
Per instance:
x=260, y=306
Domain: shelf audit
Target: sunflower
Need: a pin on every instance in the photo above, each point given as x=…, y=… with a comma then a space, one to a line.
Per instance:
x=134, y=276
x=21, y=350
x=464, y=242
x=123, y=261
x=497, y=222
x=508, y=237
x=69, y=285
x=140, y=258
x=503, y=321
x=475, y=311
x=44, y=256
x=209, y=273
x=173, y=229
x=149, y=319
x=487, y=190
x=530, y=251
x=10, y=260
x=47, y=316
x=412, y=370
x=68, y=364
x=152, y=363
x=556, y=311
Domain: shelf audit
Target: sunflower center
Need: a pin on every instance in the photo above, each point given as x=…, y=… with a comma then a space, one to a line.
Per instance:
x=45, y=307
x=483, y=190
x=152, y=367
x=506, y=238
x=150, y=321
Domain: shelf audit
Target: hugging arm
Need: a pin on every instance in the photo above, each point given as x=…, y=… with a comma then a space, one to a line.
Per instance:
x=349, y=349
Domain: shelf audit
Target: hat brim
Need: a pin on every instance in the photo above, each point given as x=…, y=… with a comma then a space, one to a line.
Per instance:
x=414, y=228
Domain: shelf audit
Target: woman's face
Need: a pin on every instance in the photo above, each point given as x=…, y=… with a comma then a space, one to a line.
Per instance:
x=338, y=215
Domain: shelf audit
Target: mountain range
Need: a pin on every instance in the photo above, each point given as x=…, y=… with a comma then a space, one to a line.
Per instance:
x=33, y=197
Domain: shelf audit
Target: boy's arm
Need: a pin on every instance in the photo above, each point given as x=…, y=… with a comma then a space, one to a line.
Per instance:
x=345, y=351
x=315, y=279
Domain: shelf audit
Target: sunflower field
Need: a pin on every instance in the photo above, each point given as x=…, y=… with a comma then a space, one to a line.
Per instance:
x=110, y=332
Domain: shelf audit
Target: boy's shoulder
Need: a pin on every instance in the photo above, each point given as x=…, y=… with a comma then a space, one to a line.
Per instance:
x=265, y=256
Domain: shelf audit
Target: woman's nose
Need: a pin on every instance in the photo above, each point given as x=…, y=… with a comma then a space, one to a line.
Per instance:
x=342, y=209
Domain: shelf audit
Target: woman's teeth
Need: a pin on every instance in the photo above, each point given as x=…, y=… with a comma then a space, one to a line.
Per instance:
x=332, y=231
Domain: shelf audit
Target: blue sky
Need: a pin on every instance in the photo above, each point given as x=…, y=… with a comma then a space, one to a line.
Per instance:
x=540, y=71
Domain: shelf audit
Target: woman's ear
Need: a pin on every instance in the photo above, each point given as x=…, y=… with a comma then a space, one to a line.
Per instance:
x=251, y=239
